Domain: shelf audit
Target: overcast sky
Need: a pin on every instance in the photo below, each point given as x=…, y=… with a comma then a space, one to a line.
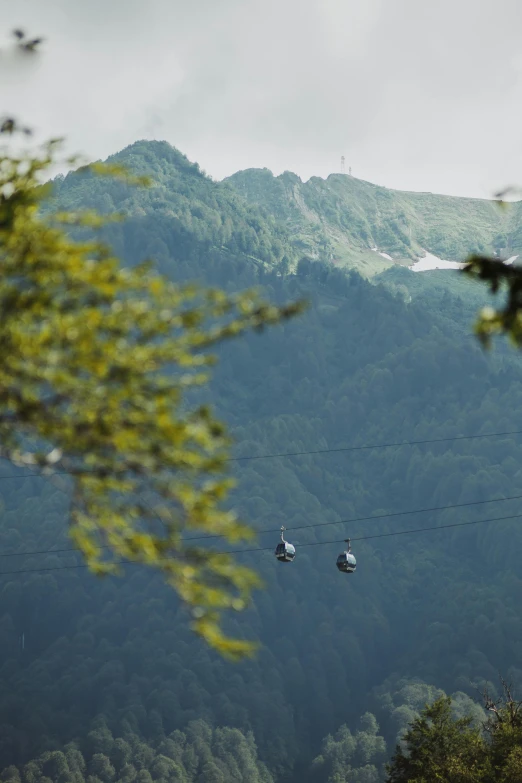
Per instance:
x=417, y=94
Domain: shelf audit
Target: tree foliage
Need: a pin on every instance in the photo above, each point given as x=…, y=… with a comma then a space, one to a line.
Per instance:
x=440, y=746
x=504, y=734
x=351, y=757
x=199, y=754
x=499, y=278
x=97, y=362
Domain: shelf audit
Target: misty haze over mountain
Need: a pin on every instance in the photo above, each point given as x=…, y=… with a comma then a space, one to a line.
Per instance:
x=416, y=95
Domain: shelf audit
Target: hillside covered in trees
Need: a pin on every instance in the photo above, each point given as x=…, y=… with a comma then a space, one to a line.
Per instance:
x=101, y=679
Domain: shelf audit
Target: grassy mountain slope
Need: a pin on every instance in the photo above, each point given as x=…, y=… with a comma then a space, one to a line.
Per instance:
x=342, y=219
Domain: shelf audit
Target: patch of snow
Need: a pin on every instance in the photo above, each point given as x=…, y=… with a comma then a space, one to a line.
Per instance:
x=384, y=255
x=433, y=262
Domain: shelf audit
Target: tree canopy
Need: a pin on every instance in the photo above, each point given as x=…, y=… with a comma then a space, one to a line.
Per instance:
x=98, y=362
x=439, y=746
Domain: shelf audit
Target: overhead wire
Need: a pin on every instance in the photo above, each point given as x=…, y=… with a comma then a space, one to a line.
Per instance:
x=381, y=535
x=372, y=517
x=281, y=455
x=270, y=549
x=353, y=520
x=312, y=525
x=339, y=450
x=374, y=446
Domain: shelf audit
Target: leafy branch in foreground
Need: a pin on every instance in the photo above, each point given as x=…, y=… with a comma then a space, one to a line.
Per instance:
x=498, y=277
x=96, y=361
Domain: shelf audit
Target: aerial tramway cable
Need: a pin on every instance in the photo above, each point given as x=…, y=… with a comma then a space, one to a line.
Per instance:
x=373, y=446
x=313, y=452
x=370, y=518
x=308, y=526
x=376, y=517
x=270, y=549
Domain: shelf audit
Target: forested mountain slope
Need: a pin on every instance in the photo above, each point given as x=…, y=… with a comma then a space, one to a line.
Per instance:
x=439, y=610
x=192, y=214
x=200, y=754
x=351, y=222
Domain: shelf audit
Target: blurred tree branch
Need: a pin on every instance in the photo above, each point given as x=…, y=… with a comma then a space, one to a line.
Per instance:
x=96, y=362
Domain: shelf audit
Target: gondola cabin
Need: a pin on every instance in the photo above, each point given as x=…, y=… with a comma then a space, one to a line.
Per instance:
x=284, y=551
x=346, y=562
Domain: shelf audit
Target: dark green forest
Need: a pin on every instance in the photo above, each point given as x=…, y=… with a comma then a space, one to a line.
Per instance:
x=101, y=680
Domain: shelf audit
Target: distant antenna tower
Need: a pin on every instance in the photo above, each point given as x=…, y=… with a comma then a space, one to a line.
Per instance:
x=343, y=170
x=350, y=171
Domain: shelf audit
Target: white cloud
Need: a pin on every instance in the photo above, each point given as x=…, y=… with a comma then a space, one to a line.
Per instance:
x=415, y=94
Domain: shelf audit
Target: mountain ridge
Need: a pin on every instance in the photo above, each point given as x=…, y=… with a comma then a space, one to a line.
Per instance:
x=193, y=213
x=350, y=222
x=276, y=220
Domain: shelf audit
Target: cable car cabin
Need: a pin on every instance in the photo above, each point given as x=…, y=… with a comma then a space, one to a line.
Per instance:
x=285, y=552
x=346, y=562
